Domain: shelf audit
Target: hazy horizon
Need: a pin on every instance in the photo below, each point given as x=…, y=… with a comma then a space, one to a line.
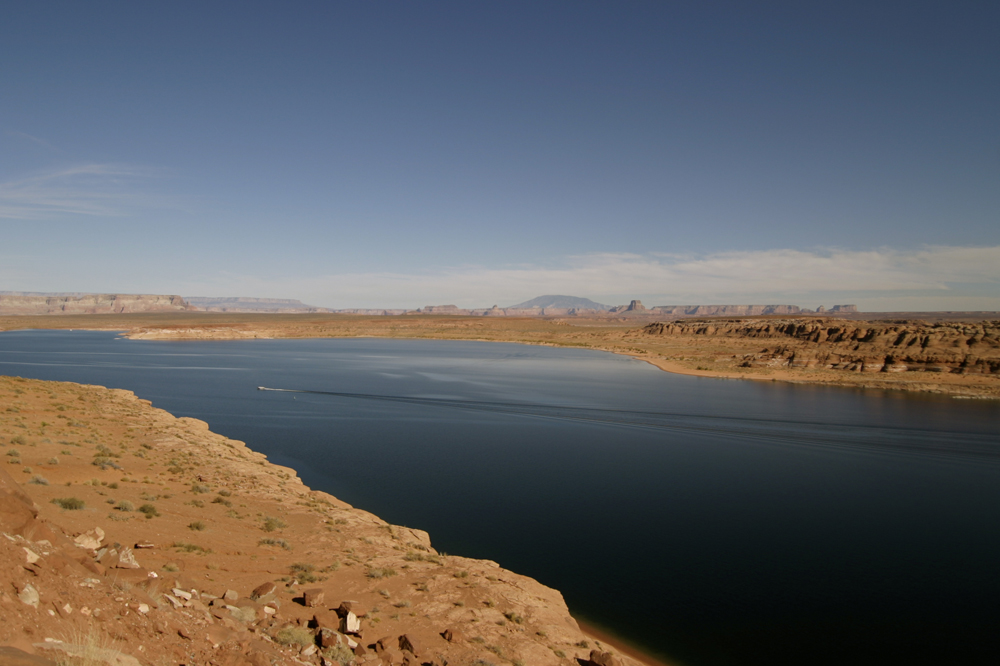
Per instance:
x=400, y=155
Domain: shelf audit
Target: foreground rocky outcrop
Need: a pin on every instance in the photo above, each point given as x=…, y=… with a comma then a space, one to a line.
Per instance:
x=45, y=304
x=131, y=537
x=889, y=347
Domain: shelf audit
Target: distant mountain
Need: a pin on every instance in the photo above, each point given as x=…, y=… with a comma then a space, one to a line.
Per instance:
x=555, y=301
x=243, y=304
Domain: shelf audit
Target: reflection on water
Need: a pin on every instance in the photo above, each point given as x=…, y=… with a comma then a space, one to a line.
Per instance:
x=715, y=522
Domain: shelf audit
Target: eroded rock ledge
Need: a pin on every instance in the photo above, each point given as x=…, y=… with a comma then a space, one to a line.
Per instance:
x=133, y=537
x=889, y=347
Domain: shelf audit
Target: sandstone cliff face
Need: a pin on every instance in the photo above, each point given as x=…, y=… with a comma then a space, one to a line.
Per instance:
x=867, y=347
x=15, y=304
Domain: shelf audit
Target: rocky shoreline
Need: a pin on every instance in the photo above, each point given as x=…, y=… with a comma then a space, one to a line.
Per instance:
x=133, y=537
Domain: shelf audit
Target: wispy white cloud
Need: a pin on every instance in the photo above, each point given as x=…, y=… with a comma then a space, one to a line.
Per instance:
x=34, y=139
x=108, y=190
x=930, y=277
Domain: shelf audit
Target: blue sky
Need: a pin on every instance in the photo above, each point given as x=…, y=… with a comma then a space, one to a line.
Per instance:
x=368, y=154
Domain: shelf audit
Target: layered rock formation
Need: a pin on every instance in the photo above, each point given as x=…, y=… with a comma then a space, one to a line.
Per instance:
x=889, y=347
x=726, y=310
x=36, y=304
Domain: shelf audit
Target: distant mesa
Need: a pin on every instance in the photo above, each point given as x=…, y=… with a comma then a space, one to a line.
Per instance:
x=35, y=303
x=561, y=303
x=245, y=304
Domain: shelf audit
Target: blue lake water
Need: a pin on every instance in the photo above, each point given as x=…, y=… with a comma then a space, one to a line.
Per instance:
x=710, y=521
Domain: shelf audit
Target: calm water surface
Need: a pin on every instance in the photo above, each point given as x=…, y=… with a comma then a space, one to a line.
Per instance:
x=710, y=521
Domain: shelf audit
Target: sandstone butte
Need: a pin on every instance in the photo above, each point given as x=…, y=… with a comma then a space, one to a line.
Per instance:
x=131, y=537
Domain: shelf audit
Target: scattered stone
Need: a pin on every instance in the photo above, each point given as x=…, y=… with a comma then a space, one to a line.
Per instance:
x=308, y=651
x=182, y=594
x=452, y=635
x=28, y=595
x=263, y=590
x=231, y=595
x=313, y=598
x=31, y=555
x=145, y=544
x=126, y=560
x=143, y=608
x=90, y=540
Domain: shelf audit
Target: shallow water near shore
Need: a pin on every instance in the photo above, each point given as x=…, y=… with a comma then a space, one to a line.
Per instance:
x=708, y=521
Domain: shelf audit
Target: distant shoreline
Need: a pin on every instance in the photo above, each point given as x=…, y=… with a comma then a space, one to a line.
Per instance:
x=690, y=347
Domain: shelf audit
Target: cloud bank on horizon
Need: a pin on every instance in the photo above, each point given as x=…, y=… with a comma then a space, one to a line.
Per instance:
x=932, y=278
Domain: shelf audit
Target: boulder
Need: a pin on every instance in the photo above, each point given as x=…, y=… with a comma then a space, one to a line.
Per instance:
x=313, y=597
x=452, y=635
x=409, y=644
x=90, y=540
x=350, y=624
x=599, y=658
x=28, y=595
x=263, y=590
x=126, y=560
x=328, y=637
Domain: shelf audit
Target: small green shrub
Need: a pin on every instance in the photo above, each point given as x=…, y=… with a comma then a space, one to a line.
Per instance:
x=272, y=523
x=190, y=548
x=197, y=526
x=340, y=654
x=274, y=542
x=69, y=503
x=222, y=500
x=39, y=480
x=303, y=572
x=294, y=636
x=199, y=489
x=380, y=572
x=125, y=505
x=149, y=510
